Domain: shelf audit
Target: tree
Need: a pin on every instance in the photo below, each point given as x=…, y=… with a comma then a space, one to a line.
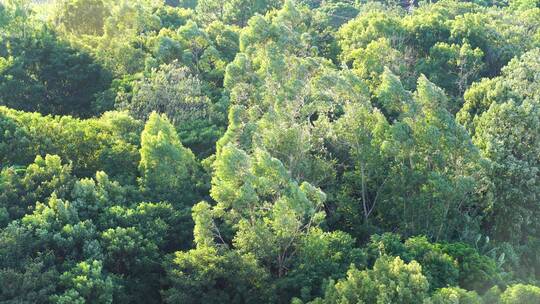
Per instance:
x=57, y=225
x=424, y=148
x=440, y=268
x=390, y=281
x=516, y=130
x=454, y=44
x=211, y=273
x=453, y=67
x=235, y=12
x=21, y=189
x=454, y=264
x=120, y=49
x=520, y=293
x=502, y=113
x=508, y=134
x=476, y=272
x=208, y=275
x=166, y=167
x=174, y=91
x=85, y=283
x=166, y=226
x=362, y=132
x=4, y=17
x=268, y=209
x=106, y=144
x=368, y=27
x=322, y=256
x=133, y=260
x=205, y=51
x=524, y=4
x=370, y=62
x=455, y=295
x=174, y=17
x=225, y=39
x=391, y=97
x=431, y=151
x=33, y=280
x=18, y=13
x=342, y=175
x=46, y=75
x=82, y=17
x=516, y=82
x=337, y=13
x=92, y=196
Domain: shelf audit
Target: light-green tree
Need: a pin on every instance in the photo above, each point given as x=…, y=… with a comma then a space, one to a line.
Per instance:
x=268, y=210
x=84, y=283
x=213, y=273
x=509, y=134
x=390, y=281
x=166, y=167
x=520, y=293
x=82, y=17
x=21, y=189
x=451, y=295
x=235, y=12
x=174, y=91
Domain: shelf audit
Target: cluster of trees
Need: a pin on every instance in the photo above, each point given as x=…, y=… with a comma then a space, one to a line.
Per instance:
x=269, y=151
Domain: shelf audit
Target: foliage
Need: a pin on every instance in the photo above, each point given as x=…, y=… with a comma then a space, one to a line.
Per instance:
x=204, y=275
x=108, y=143
x=521, y=294
x=269, y=151
x=21, y=190
x=82, y=17
x=455, y=295
x=166, y=166
x=43, y=74
x=172, y=90
x=390, y=281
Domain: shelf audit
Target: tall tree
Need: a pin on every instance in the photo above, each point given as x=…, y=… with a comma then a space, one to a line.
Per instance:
x=166, y=166
x=41, y=73
x=380, y=285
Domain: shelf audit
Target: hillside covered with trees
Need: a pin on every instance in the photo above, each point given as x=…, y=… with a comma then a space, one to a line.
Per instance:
x=270, y=151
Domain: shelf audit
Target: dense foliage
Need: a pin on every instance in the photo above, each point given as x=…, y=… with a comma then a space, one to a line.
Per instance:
x=270, y=151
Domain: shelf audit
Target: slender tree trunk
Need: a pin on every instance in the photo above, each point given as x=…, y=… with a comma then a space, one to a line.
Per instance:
x=364, y=196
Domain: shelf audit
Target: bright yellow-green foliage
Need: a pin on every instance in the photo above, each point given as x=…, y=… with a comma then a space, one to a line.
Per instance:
x=165, y=166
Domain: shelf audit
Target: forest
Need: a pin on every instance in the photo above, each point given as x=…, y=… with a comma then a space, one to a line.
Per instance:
x=270, y=151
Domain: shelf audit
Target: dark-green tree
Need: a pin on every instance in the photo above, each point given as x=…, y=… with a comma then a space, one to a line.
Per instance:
x=41, y=73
